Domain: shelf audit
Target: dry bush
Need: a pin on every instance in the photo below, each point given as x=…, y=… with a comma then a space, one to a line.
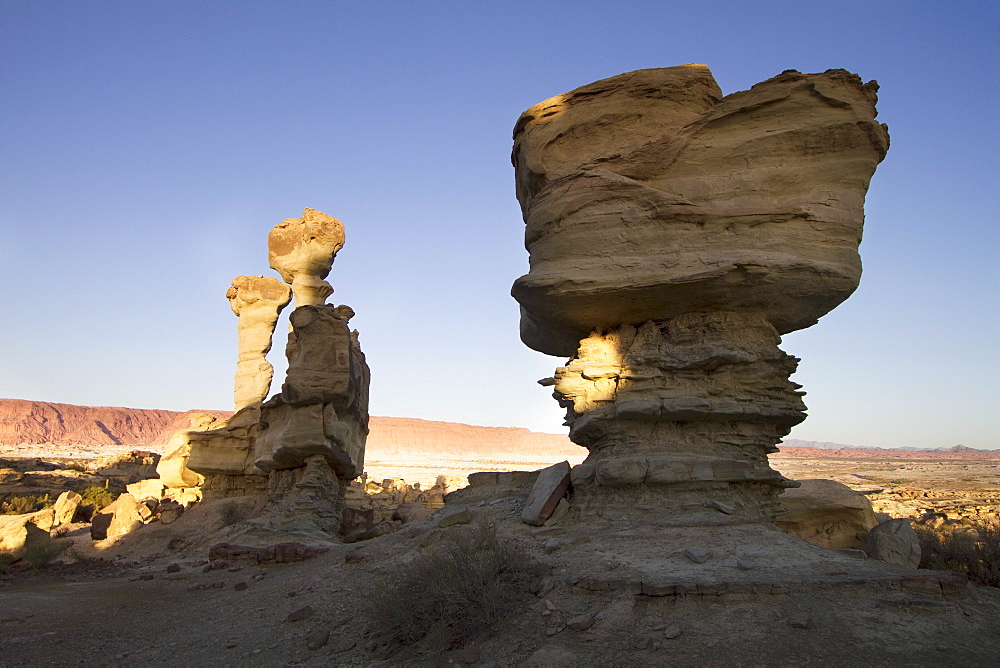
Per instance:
x=972, y=549
x=94, y=499
x=466, y=584
x=22, y=505
x=40, y=555
x=232, y=512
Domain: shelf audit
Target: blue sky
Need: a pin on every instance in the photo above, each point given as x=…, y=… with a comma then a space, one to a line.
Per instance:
x=148, y=147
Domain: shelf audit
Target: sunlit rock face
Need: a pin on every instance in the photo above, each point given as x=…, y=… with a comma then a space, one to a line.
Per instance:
x=302, y=250
x=257, y=301
x=649, y=194
x=674, y=234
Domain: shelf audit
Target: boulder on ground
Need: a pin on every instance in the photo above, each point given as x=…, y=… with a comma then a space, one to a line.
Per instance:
x=65, y=508
x=895, y=542
x=550, y=486
x=21, y=532
x=117, y=519
x=827, y=513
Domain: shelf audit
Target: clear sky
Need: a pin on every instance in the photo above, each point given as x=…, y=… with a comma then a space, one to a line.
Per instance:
x=147, y=148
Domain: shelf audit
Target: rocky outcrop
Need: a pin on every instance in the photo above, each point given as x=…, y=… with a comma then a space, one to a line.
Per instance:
x=23, y=532
x=674, y=234
x=172, y=468
x=827, y=513
x=302, y=251
x=257, y=301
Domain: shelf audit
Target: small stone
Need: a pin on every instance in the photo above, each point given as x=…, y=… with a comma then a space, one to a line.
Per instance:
x=580, y=623
x=550, y=605
x=317, y=638
x=452, y=516
x=240, y=586
x=466, y=656
x=672, y=632
x=722, y=507
x=258, y=577
x=355, y=557
x=146, y=576
x=641, y=642
x=853, y=553
x=800, y=621
x=698, y=555
x=300, y=614
x=551, y=545
x=218, y=585
x=207, y=568
x=173, y=568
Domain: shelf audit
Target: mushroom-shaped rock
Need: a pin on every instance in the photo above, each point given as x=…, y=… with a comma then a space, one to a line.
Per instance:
x=673, y=235
x=302, y=250
x=649, y=194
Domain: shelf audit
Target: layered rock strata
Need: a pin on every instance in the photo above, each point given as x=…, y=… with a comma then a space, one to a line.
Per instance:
x=674, y=234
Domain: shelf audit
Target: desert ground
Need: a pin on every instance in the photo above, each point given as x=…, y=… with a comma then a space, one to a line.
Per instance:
x=154, y=598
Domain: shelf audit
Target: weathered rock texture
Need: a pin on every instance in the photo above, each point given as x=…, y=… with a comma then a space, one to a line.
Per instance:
x=674, y=234
x=302, y=251
x=827, y=513
x=257, y=301
x=44, y=422
x=303, y=445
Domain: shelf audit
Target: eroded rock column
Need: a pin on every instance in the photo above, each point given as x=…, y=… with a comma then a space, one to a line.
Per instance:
x=257, y=301
x=674, y=234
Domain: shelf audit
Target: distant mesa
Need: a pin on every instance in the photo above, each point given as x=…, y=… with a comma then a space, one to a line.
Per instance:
x=64, y=426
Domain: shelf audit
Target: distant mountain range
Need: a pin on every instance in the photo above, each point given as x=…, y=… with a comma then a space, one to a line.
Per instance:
x=45, y=423
x=827, y=445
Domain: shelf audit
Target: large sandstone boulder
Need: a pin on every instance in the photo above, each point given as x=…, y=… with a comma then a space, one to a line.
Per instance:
x=117, y=519
x=827, y=513
x=65, y=508
x=895, y=542
x=22, y=532
x=650, y=194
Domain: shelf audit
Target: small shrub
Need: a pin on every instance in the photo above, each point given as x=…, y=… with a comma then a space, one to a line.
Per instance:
x=465, y=585
x=973, y=550
x=6, y=559
x=41, y=554
x=22, y=505
x=232, y=512
x=94, y=499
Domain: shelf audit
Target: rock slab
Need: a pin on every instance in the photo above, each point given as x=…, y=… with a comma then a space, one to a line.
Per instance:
x=549, y=488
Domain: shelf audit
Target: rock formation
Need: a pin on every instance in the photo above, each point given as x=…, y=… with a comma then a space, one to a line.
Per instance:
x=302, y=251
x=674, y=234
x=303, y=445
x=257, y=301
x=827, y=513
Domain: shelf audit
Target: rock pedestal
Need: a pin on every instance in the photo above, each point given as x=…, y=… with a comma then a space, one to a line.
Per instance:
x=302, y=446
x=674, y=234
